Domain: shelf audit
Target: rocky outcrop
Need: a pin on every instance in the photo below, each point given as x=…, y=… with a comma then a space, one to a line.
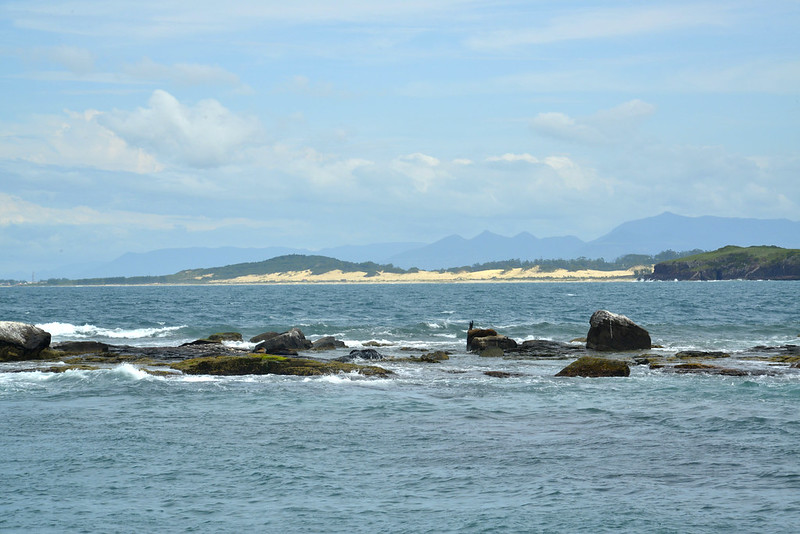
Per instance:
x=263, y=337
x=610, y=332
x=545, y=348
x=327, y=343
x=733, y=263
x=253, y=364
x=286, y=343
x=592, y=367
x=472, y=333
x=21, y=341
x=81, y=347
x=217, y=338
x=362, y=354
x=480, y=339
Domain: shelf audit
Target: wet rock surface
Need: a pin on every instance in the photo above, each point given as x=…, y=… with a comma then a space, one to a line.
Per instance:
x=613, y=332
x=21, y=341
x=362, y=354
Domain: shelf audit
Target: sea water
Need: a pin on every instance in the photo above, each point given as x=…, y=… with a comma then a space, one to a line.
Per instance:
x=435, y=447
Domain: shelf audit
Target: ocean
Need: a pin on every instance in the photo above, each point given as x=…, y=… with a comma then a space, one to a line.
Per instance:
x=433, y=448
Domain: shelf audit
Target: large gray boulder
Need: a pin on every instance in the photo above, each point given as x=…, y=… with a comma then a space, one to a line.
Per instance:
x=21, y=341
x=610, y=331
x=293, y=340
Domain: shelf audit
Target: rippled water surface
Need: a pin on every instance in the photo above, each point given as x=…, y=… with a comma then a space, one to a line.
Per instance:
x=435, y=448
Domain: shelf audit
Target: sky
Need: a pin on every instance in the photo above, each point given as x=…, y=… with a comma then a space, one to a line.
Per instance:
x=133, y=126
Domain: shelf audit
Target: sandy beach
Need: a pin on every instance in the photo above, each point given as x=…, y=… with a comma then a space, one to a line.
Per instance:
x=488, y=276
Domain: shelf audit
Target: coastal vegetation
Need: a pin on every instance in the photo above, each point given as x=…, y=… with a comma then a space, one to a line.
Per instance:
x=733, y=263
x=637, y=265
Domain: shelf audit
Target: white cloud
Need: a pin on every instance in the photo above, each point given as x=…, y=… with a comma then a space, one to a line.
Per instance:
x=617, y=123
x=163, y=19
x=77, y=60
x=188, y=74
x=513, y=158
x=424, y=170
x=15, y=211
x=74, y=139
x=604, y=23
x=204, y=135
x=551, y=173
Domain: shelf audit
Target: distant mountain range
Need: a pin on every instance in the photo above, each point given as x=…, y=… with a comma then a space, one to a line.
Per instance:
x=644, y=236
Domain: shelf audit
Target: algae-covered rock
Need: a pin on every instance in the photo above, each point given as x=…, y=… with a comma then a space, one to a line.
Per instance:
x=704, y=368
x=610, y=331
x=21, y=341
x=436, y=356
x=685, y=354
x=589, y=366
x=256, y=364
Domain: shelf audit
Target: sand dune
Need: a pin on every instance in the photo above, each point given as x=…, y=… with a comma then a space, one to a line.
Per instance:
x=493, y=275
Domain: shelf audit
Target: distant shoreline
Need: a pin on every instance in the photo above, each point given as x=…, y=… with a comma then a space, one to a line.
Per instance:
x=492, y=276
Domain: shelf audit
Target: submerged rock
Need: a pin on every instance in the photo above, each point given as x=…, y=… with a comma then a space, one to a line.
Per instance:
x=502, y=374
x=684, y=354
x=21, y=341
x=492, y=352
x=590, y=366
x=610, y=331
x=704, y=368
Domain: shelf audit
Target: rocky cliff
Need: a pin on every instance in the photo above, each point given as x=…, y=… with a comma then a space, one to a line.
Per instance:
x=733, y=263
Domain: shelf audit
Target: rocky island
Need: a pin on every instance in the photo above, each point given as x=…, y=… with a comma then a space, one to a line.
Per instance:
x=733, y=263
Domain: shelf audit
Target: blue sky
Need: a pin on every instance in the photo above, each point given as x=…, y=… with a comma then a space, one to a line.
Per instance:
x=132, y=126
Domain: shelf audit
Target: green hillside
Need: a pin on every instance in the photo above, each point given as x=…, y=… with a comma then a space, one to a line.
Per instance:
x=323, y=264
x=733, y=263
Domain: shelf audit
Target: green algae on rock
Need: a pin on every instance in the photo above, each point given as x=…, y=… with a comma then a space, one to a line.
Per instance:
x=590, y=366
x=267, y=364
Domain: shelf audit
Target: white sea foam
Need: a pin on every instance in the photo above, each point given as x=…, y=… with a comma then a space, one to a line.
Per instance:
x=246, y=345
x=340, y=378
x=86, y=331
x=127, y=370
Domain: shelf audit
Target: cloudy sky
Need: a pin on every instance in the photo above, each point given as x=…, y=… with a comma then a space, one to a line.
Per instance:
x=132, y=126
